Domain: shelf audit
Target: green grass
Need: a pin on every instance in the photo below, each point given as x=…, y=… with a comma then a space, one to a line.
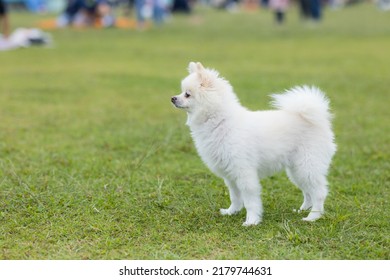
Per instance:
x=95, y=163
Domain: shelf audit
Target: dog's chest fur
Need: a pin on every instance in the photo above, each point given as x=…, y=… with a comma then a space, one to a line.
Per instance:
x=214, y=144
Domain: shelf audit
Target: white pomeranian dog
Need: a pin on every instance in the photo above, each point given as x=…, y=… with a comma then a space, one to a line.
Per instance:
x=242, y=146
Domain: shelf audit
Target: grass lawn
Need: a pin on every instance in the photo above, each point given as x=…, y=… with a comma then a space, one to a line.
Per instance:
x=95, y=163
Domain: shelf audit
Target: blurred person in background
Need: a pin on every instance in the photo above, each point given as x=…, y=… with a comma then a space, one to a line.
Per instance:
x=182, y=6
x=146, y=9
x=305, y=8
x=87, y=13
x=316, y=9
x=311, y=9
x=159, y=12
x=279, y=7
x=384, y=5
x=140, y=13
x=4, y=20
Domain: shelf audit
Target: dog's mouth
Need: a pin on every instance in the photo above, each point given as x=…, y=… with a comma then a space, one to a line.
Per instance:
x=179, y=106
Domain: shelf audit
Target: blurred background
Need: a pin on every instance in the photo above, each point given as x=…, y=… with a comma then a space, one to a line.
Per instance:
x=95, y=163
x=111, y=12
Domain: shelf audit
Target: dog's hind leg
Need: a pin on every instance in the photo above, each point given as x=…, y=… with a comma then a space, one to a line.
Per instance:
x=235, y=199
x=318, y=196
x=314, y=189
x=307, y=203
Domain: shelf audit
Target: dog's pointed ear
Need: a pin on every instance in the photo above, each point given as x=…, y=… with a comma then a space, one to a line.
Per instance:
x=195, y=67
x=192, y=67
x=204, y=77
x=199, y=67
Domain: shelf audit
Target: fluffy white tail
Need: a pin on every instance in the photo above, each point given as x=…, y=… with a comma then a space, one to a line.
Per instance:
x=309, y=102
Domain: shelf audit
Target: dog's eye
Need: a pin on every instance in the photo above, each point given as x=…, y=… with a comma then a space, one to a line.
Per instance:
x=187, y=94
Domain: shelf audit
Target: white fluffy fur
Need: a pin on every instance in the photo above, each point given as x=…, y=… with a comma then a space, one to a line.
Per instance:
x=243, y=146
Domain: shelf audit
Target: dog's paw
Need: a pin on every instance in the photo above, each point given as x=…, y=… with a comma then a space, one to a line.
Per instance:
x=313, y=216
x=251, y=222
x=227, y=212
x=307, y=219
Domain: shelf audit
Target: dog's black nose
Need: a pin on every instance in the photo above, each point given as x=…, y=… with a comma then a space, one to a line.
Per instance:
x=173, y=99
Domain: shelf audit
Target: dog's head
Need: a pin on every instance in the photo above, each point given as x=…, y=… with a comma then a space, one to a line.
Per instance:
x=199, y=88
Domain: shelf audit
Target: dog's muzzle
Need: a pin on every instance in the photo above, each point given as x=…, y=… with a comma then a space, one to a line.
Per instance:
x=175, y=102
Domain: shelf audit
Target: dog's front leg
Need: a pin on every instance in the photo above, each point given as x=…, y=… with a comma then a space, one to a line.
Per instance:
x=235, y=199
x=250, y=190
